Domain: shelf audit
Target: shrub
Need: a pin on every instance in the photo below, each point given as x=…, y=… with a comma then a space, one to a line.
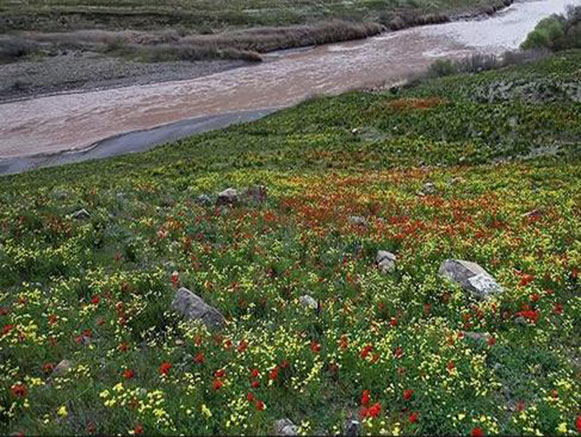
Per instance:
x=557, y=32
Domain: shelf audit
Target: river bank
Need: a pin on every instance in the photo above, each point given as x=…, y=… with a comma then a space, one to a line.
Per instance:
x=82, y=61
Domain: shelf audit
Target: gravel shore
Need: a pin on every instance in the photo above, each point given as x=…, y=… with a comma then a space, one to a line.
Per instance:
x=80, y=72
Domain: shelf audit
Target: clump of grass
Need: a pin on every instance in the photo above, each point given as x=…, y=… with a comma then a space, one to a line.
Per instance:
x=13, y=49
x=556, y=33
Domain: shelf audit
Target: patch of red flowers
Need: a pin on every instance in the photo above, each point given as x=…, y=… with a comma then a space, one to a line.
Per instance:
x=315, y=347
x=578, y=423
x=6, y=329
x=365, y=398
x=200, y=358
x=138, y=429
x=413, y=417
x=531, y=315
x=217, y=384
x=165, y=368
x=366, y=350
x=19, y=390
x=407, y=394
x=128, y=374
x=477, y=432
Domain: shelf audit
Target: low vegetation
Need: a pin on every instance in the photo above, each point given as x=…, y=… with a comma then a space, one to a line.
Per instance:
x=200, y=29
x=558, y=32
x=482, y=167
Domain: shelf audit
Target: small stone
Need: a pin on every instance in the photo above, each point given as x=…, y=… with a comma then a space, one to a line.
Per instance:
x=204, y=200
x=193, y=307
x=352, y=428
x=285, y=427
x=471, y=277
x=227, y=197
x=63, y=367
x=308, y=302
x=520, y=321
x=81, y=214
x=477, y=336
x=385, y=261
x=358, y=221
x=428, y=189
x=535, y=213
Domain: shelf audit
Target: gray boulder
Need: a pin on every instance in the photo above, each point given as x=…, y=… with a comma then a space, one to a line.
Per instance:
x=81, y=214
x=308, y=302
x=357, y=220
x=385, y=261
x=227, y=197
x=61, y=368
x=193, y=307
x=471, y=277
x=352, y=428
x=285, y=427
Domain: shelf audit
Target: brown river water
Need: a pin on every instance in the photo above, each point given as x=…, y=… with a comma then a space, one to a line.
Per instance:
x=67, y=122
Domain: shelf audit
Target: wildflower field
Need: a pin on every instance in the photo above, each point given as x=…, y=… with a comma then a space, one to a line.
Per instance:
x=89, y=342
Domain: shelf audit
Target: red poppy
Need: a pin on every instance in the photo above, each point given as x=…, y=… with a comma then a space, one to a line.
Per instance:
x=477, y=432
x=219, y=373
x=19, y=390
x=128, y=374
x=6, y=329
x=47, y=367
x=250, y=397
x=242, y=346
x=315, y=347
x=365, y=398
x=365, y=351
x=254, y=373
x=217, y=384
x=200, y=358
x=255, y=384
x=164, y=368
x=274, y=373
x=451, y=365
x=138, y=429
x=175, y=279
x=558, y=309
x=520, y=406
x=535, y=297
x=393, y=321
x=526, y=279
x=407, y=394
x=259, y=405
x=374, y=410
x=123, y=347
x=96, y=299
x=343, y=342
x=398, y=352
x=530, y=315
x=413, y=417
x=491, y=341
x=578, y=423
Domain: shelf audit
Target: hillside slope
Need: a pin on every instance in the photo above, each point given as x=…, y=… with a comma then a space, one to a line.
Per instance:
x=482, y=168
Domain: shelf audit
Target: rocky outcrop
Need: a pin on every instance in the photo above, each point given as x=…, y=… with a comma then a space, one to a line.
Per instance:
x=308, y=302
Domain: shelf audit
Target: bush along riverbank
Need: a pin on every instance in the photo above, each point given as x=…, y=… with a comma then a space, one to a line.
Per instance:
x=368, y=263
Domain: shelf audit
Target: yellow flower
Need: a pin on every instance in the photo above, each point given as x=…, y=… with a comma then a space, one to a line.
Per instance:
x=62, y=411
x=562, y=428
x=206, y=411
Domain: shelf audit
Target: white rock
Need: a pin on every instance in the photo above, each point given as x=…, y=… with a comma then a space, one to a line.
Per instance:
x=308, y=302
x=385, y=261
x=285, y=427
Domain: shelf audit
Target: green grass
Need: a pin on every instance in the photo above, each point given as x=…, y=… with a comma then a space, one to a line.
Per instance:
x=206, y=16
x=367, y=154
